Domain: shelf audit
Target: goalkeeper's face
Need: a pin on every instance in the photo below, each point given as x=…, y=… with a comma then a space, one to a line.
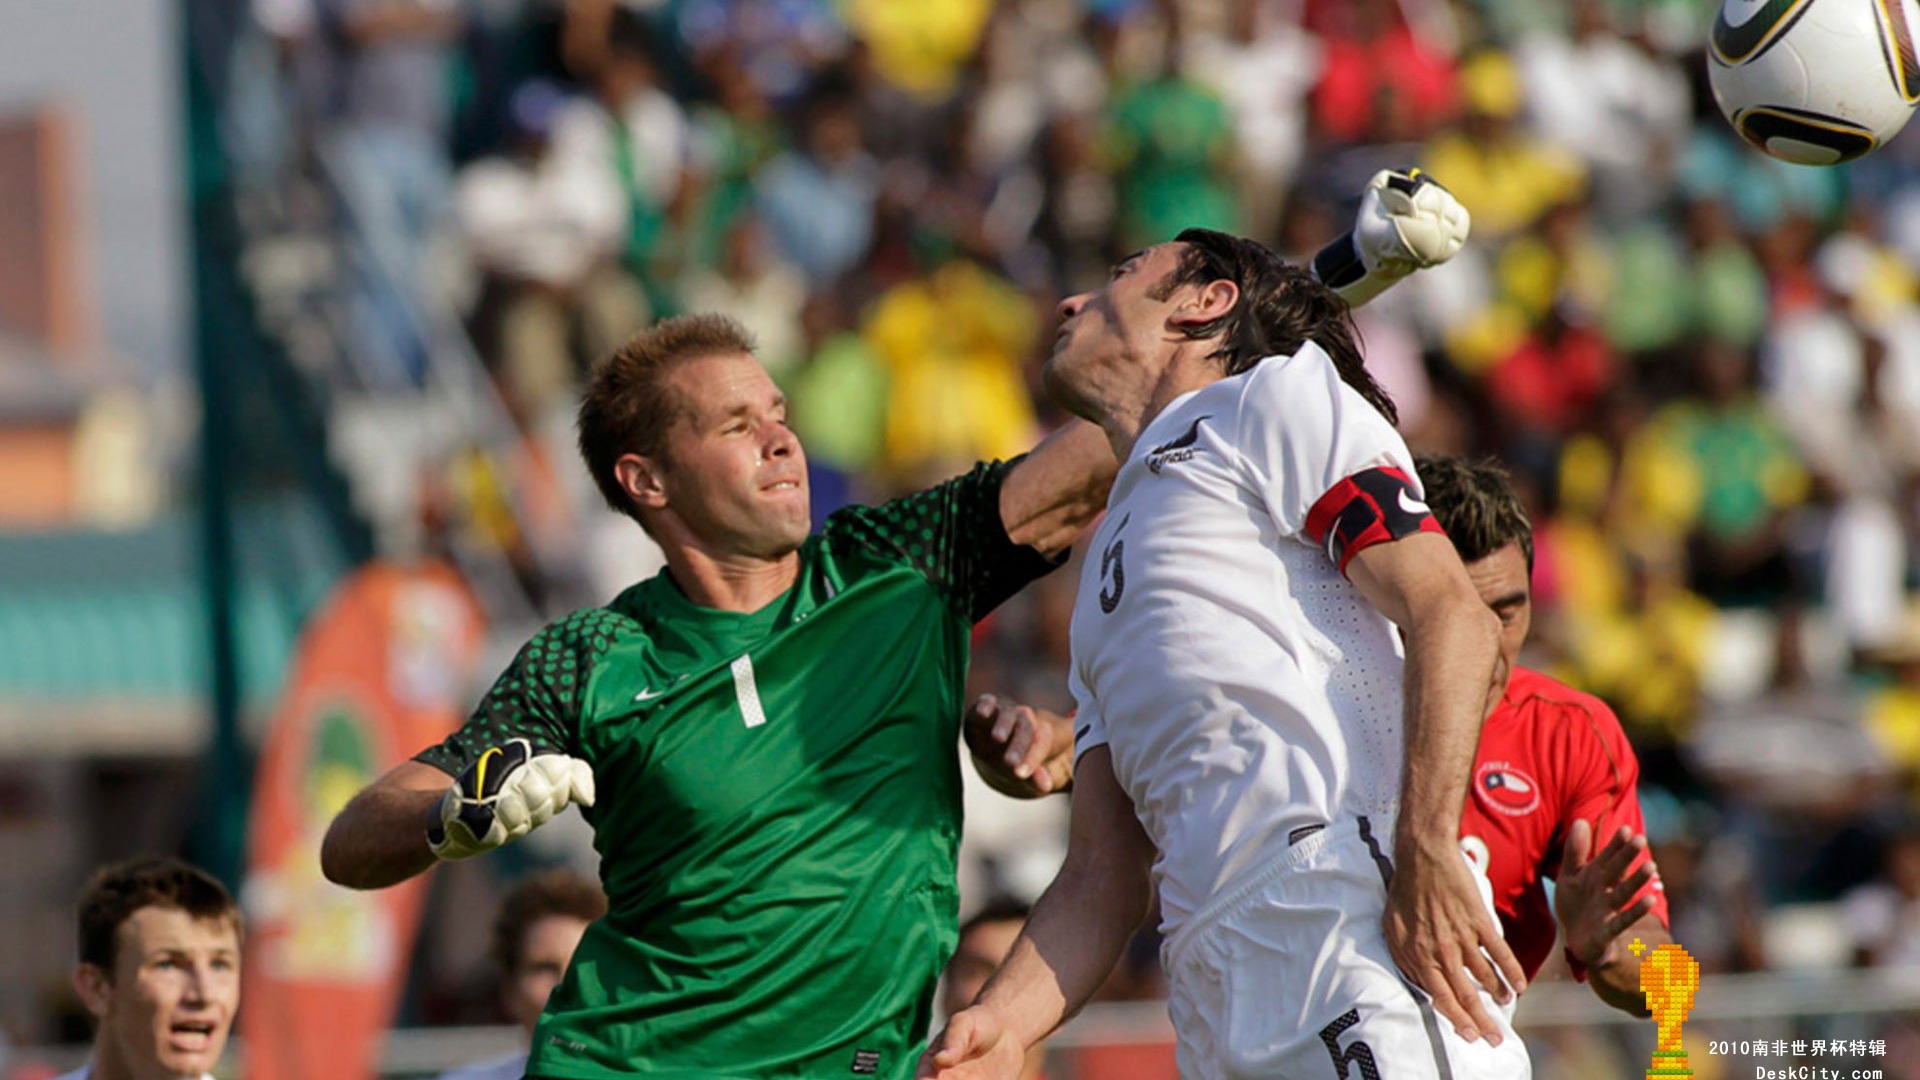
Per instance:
x=734, y=477
x=166, y=1008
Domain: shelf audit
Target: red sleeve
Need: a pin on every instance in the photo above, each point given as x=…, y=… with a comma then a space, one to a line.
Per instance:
x=1370, y=507
x=1603, y=788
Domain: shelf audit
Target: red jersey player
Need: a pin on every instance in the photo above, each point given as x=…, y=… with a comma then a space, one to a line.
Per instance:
x=1554, y=777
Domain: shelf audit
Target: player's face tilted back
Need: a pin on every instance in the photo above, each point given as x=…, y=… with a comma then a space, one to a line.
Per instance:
x=1110, y=330
x=732, y=477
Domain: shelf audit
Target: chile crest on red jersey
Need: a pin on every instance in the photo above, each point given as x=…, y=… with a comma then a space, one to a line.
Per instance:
x=1506, y=789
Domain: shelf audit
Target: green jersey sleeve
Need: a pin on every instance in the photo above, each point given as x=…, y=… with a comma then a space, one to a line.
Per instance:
x=952, y=534
x=538, y=697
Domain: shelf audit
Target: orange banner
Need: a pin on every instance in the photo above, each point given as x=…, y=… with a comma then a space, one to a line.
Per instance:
x=381, y=671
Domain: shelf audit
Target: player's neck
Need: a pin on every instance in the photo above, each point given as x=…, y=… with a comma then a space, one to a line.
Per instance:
x=1188, y=370
x=732, y=582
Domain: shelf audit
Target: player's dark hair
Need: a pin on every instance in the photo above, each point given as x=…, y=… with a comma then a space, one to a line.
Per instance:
x=1281, y=307
x=1475, y=503
x=997, y=910
x=628, y=405
x=118, y=890
x=552, y=892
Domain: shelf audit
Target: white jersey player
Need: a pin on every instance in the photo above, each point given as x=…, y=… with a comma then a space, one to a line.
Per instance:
x=1246, y=718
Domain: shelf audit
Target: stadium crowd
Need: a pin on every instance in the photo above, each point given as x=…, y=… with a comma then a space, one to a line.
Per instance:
x=1701, y=366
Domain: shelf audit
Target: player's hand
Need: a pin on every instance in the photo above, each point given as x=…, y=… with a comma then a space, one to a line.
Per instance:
x=1020, y=750
x=1445, y=940
x=508, y=791
x=1594, y=895
x=974, y=1046
x=1407, y=222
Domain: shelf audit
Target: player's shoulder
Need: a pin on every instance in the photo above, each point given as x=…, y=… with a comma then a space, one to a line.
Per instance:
x=1549, y=698
x=1290, y=388
x=588, y=632
x=899, y=520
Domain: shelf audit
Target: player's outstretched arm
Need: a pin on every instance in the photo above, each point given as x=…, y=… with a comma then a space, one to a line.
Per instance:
x=506, y=792
x=1407, y=222
x=1597, y=900
x=1019, y=750
x=380, y=837
x=1436, y=925
x=1071, y=941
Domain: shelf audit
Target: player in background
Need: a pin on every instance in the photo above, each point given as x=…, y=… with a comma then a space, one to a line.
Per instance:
x=535, y=933
x=770, y=725
x=1555, y=776
x=983, y=944
x=159, y=970
x=1249, y=728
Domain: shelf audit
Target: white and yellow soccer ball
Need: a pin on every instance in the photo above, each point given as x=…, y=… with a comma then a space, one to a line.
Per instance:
x=1815, y=82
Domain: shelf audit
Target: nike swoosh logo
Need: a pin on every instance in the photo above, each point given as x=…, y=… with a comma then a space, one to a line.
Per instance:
x=1413, y=506
x=648, y=695
x=480, y=770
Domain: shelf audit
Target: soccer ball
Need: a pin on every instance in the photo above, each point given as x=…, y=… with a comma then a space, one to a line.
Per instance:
x=1815, y=81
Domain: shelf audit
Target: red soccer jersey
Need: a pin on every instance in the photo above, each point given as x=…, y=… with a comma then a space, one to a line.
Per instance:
x=1549, y=756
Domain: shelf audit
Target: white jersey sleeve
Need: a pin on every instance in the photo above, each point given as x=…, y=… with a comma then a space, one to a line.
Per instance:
x=1300, y=431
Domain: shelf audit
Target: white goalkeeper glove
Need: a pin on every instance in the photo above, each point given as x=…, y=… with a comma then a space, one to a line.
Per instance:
x=508, y=791
x=1407, y=221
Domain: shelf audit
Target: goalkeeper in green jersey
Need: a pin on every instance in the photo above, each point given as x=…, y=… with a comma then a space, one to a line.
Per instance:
x=764, y=735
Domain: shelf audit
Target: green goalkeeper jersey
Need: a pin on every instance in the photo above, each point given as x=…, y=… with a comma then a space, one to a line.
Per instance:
x=778, y=807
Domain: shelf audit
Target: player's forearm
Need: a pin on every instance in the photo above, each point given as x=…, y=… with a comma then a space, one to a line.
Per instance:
x=380, y=838
x=1451, y=650
x=1076, y=933
x=1616, y=977
x=1057, y=490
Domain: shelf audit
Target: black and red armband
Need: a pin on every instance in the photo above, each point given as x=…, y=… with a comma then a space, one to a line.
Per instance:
x=1371, y=507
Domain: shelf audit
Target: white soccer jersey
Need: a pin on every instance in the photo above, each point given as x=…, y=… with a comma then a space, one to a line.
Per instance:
x=1245, y=687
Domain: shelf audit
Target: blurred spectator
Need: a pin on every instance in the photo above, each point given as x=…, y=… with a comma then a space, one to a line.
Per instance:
x=1371, y=55
x=159, y=970
x=1171, y=143
x=1262, y=67
x=539, y=925
x=919, y=47
x=395, y=117
x=952, y=342
x=630, y=130
x=1884, y=915
x=546, y=226
x=838, y=404
x=756, y=286
x=818, y=198
x=1599, y=94
x=1506, y=179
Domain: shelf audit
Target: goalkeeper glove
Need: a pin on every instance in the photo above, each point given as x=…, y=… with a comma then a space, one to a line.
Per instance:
x=507, y=792
x=1407, y=221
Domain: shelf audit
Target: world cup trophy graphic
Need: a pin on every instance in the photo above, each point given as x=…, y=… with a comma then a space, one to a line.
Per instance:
x=1668, y=977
